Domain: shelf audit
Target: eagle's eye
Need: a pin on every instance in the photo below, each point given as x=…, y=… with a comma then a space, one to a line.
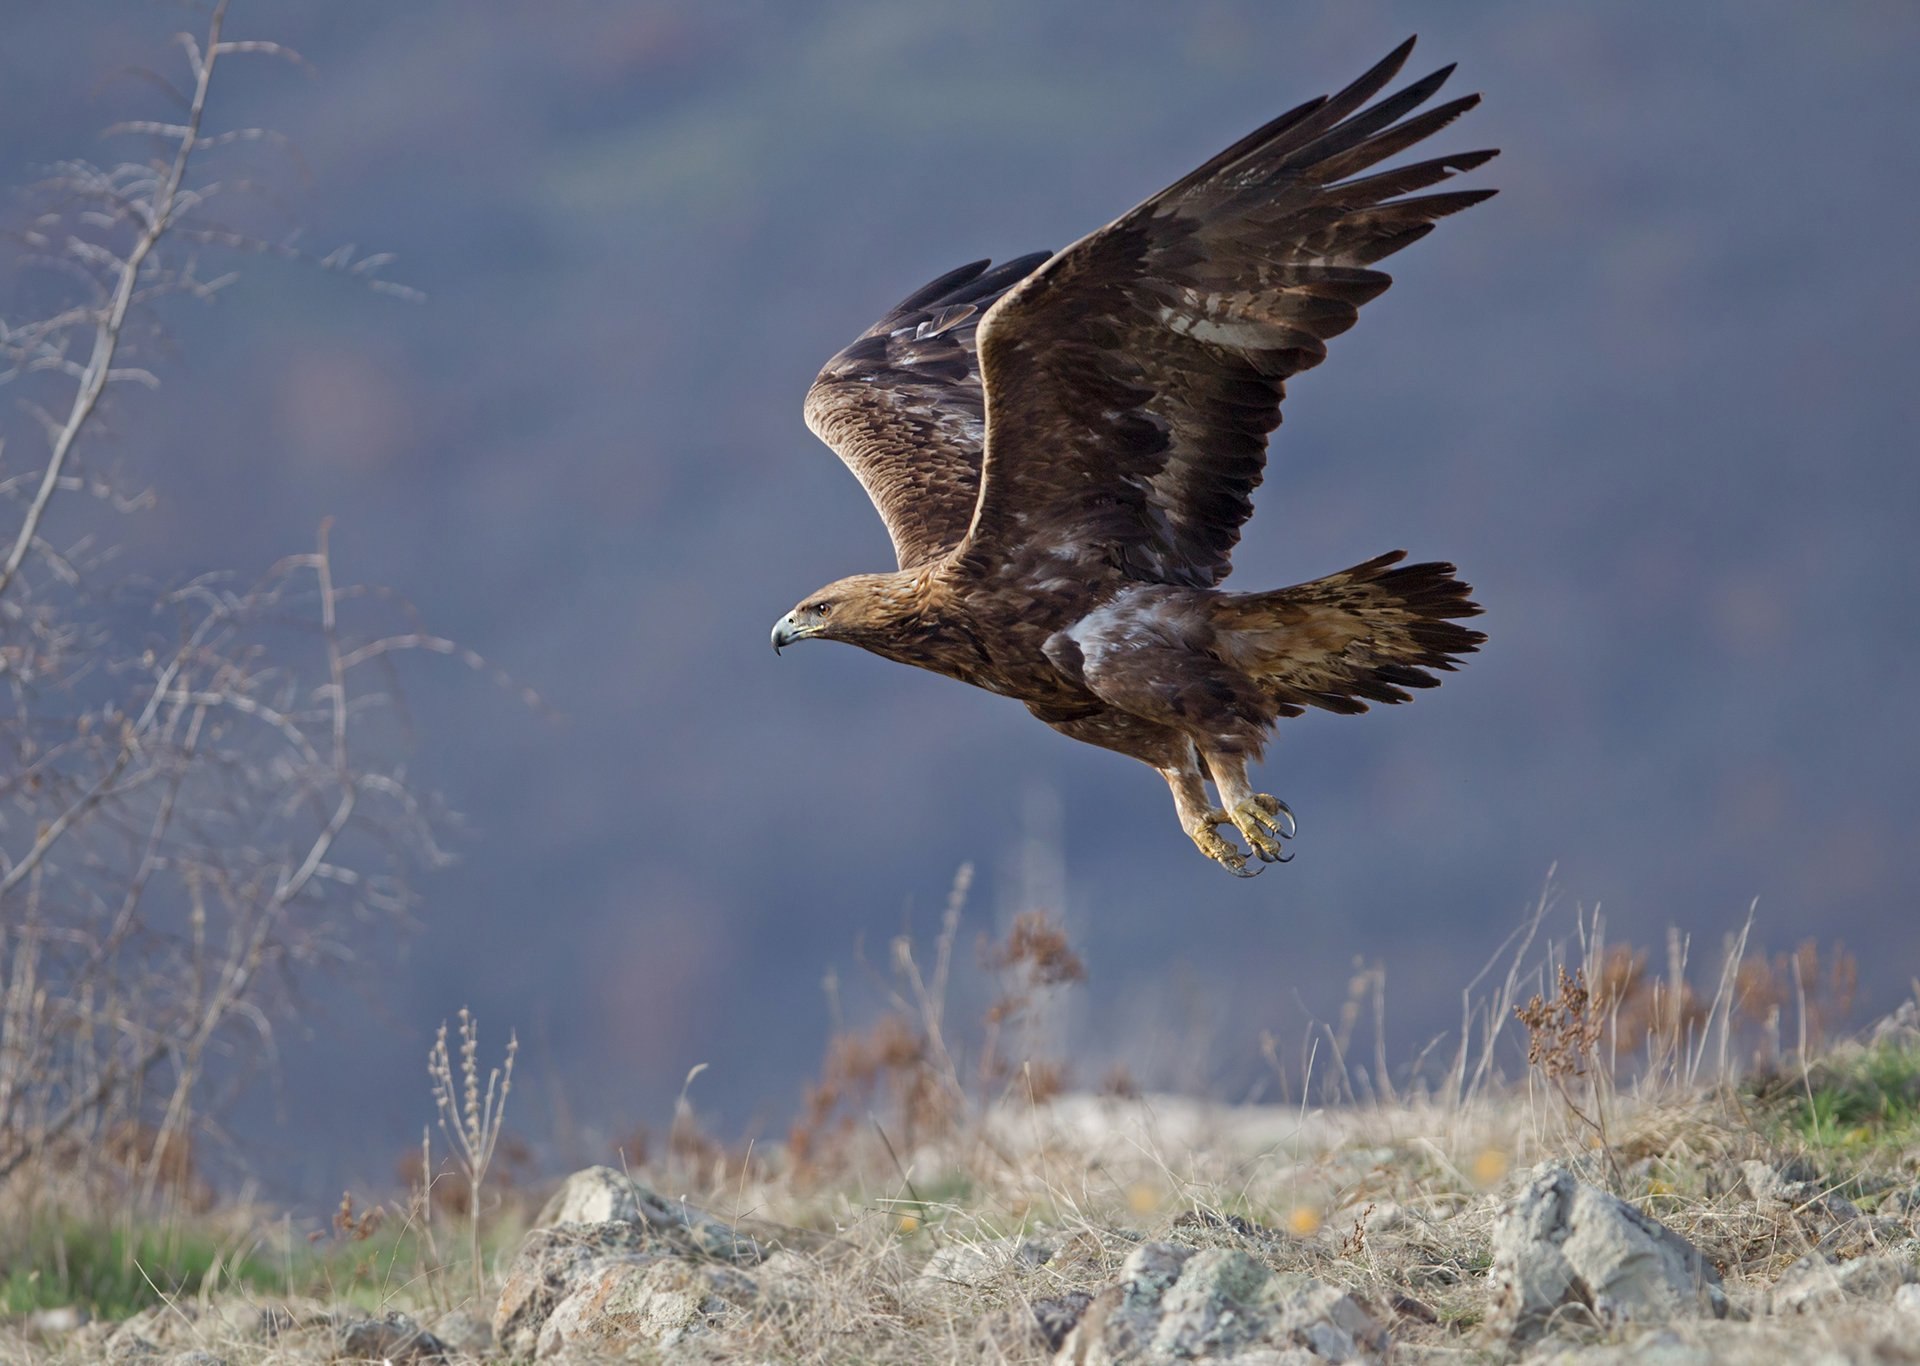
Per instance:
x=820, y=609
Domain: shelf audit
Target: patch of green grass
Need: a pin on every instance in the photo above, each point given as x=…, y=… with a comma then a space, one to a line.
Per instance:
x=1861, y=1100
x=114, y=1270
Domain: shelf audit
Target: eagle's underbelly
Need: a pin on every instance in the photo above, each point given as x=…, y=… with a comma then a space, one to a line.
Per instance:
x=1047, y=668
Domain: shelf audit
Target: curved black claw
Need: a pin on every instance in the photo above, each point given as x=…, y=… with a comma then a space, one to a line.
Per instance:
x=1282, y=821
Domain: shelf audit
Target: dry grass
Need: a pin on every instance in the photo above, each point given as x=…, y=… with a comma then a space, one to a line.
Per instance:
x=934, y=1198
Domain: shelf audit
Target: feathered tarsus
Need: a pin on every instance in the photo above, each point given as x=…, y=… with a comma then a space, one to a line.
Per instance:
x=1064, y=449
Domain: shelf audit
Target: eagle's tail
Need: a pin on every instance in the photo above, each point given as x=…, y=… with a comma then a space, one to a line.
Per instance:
x=1363, y=635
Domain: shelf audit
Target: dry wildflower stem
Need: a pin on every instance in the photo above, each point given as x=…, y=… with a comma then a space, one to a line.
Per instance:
x=471, y=1116
x=1563, y=1038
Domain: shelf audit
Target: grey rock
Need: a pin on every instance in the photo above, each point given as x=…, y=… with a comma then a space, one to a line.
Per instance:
x=626, y=1305
x=595, y=1195
x=983, y=1263
x=1770, y=1186
x=196, y=1357
x=1907, y=1299
x=1860, y=1235
x=1218, y=1306
x=1793, y=1187
x=1562, y=1245
x=1816, y=1282
x=600, y=1195
x=1055, y=1316
x=393, y=1339
x=1901, y=1204
x=1031, y=1330
x=553, y=1261
x=464, y=1332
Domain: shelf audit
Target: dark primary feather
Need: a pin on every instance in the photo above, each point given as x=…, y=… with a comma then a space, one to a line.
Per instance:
x=1133, y=379
x=903, y=407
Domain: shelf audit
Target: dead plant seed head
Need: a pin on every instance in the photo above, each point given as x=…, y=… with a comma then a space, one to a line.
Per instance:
x=1562, y=1033
x=472, y=1117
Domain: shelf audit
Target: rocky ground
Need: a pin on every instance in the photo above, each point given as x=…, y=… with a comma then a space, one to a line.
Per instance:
x=1103, y=1231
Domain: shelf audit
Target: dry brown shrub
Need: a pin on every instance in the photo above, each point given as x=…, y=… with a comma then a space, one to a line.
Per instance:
x=1036, y=950
x=900, y=1073
x=1640, y=1005
x=1766, y=989
x=888, y=1067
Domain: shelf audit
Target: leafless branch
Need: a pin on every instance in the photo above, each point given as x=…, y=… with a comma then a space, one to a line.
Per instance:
x=198, y=810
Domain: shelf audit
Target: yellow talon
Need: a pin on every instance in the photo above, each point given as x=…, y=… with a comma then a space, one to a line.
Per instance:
x=1219, y=850
x=1264, y=821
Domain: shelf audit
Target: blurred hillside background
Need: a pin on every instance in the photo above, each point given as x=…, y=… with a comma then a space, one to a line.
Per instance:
x=1657, y=400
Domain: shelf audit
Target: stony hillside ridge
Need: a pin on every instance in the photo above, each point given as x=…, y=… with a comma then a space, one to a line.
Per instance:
x=1088, y=1231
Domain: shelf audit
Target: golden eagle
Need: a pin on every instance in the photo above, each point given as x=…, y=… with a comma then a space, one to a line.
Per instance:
x=1064, y=448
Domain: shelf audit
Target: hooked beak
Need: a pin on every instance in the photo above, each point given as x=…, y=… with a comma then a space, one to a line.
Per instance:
x=786, y=631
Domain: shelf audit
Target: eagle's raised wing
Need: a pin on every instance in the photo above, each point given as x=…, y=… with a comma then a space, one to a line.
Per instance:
x=903, y=407
x=1132, y=380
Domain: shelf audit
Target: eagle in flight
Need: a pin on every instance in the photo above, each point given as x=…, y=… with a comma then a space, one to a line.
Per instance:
x=1064, y=448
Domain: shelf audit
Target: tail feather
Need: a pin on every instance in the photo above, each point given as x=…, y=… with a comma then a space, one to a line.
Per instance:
x=1363, y=635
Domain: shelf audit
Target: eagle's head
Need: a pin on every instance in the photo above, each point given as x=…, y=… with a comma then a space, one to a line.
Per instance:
x=864, y=609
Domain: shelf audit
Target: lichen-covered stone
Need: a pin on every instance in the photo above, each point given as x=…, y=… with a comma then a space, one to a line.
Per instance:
x=1562, y=1244
x=1219, y=1306
x=600, y=1195
x=1816, y=1282
x=623, y=1305
x=395, y=1338
x=553, y=1262
x=464, y=1332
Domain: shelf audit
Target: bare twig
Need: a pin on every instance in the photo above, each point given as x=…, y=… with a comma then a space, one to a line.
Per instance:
x=106, y=337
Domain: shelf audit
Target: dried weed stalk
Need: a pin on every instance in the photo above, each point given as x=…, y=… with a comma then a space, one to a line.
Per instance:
x=1563, y=1040
x=471, y=1115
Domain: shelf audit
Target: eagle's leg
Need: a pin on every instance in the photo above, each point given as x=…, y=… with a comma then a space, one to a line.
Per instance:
x=1262, y=820
x=1201, y=819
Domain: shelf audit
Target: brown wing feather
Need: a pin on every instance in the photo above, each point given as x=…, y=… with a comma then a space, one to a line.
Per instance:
x=903, y=408
x=1363, y=635
x=1133, y=379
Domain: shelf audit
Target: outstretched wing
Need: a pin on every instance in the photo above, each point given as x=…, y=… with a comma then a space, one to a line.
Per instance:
x=1133, y=379
x=903, y=407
